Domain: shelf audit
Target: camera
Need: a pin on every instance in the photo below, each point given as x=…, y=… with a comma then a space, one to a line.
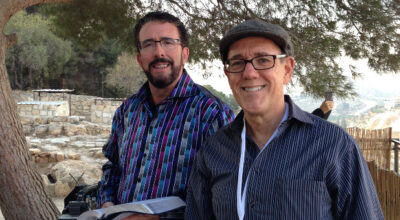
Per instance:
x=81, y=199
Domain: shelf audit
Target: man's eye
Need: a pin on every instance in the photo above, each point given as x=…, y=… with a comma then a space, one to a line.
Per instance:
x=235, y=63
x=168, y=41
x=147, y=44
x=263, y=60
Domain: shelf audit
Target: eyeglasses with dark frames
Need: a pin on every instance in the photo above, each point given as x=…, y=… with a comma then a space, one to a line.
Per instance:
x=262, y=62
x=166, y=43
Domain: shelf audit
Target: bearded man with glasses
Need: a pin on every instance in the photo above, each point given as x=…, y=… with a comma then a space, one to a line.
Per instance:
x=157, y=132
x=275, y=161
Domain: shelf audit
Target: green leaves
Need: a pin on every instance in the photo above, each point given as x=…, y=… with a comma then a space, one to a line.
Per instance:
x=39, y=53
x=321, y=31
x=228, y=99
x=89, y=23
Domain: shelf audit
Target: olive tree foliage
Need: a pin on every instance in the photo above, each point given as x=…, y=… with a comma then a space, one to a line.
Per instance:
x=90, y=23
x=228, y=99
x=126, y=75
x=38, y=56
x=321, y=32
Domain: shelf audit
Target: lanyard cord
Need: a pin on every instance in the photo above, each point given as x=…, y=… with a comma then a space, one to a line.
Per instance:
x=240, y=200
x=241, y=197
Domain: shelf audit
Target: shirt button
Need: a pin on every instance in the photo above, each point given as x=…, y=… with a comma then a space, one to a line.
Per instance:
x=138, y=180
x=144, y=155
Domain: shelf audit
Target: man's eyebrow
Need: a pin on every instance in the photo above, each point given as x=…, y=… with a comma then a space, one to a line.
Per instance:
x=148, y=39
x=236, y=57
x=261, y=54
x=162, y=38
x=239, y=56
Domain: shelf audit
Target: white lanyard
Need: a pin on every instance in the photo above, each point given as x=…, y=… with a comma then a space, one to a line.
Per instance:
x=241, y=197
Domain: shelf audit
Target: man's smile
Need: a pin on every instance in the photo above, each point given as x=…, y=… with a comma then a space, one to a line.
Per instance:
x=253, y=89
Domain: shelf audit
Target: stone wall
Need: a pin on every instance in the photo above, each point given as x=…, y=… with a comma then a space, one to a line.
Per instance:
x=67, y=150
x=43, y=109
x=92, y=108
x=102, y=111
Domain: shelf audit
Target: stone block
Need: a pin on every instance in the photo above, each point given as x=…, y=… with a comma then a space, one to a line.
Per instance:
x=98, y=154
x=41, y=130
x=59, y=156
x=43, y=113
x=34, y=151
x=26, y=120
x=55, y=129
x=98, y=113
x=52, y=158
x=62, y=189
x=44, y=154
x=42, y=160
x=36, y=112
x=74, y=156
x=50, y=189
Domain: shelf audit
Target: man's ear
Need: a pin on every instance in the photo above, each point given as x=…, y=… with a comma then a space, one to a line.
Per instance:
x=289, y=66
x=185, y=54
x=139, y=59
x=226, y=73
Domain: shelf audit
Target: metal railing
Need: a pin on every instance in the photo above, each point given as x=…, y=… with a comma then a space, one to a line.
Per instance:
x=396, y=149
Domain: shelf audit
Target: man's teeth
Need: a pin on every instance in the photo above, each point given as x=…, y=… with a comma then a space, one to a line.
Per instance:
x=161, y=66
x=253, y=89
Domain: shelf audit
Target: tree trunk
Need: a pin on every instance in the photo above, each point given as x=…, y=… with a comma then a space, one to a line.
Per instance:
x=30, y=78
x=22, y=193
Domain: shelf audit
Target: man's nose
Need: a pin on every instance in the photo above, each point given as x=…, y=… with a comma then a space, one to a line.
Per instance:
x=249, y=72
x=158, y=50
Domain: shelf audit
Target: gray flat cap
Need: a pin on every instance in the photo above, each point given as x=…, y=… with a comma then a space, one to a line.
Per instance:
x=255, y=27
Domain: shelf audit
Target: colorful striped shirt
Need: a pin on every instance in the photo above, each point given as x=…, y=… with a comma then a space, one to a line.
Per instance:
x=152, y=147
x=311, y=169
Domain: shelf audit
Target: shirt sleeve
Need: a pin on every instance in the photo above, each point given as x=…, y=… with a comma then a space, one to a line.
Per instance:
x=198, y=200
x=352, y=188
x=223, y=117
x=111, y=170
x=318, y=112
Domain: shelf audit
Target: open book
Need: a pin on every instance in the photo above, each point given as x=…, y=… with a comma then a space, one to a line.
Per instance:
x=151, y=206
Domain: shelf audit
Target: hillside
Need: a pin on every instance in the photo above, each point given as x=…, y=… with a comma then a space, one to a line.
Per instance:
x=364, y=112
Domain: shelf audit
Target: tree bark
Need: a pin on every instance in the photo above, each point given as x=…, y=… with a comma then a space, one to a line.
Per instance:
x=22, y=193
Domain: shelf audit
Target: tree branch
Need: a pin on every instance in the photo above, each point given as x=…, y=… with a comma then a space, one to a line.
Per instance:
x=187, y=12
x=12, y=39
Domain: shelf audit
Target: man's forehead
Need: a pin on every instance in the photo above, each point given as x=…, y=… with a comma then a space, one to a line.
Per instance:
x=251, y=47
x=158, y=29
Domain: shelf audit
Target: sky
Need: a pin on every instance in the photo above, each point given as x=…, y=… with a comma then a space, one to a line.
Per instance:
x=386, y=83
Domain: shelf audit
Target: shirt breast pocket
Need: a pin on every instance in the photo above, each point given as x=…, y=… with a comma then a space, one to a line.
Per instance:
x=303, y=199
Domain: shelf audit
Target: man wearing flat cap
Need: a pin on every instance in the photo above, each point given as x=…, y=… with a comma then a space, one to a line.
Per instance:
x=275, y=161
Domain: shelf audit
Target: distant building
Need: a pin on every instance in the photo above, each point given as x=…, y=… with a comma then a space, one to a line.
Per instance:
x=392, y=103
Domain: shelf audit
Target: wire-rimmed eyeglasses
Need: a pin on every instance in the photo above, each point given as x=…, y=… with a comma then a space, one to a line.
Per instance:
x=166, y=43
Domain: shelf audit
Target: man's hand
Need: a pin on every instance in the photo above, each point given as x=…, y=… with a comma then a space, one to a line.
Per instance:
x=107, y=204
x=327, y=106
x=142, y=217
x=133, y=216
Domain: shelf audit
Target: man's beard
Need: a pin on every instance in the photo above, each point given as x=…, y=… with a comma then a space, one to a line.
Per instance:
x=163, y=82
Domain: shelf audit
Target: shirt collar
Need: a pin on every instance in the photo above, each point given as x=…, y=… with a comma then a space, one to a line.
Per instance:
x=184, y=88
x=295, y=112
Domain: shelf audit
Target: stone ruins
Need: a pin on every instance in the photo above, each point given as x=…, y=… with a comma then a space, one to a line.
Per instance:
x=65, y=139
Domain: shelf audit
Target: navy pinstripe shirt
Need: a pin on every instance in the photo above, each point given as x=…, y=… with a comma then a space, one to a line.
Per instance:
x=151, y=148
x=312, y=169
